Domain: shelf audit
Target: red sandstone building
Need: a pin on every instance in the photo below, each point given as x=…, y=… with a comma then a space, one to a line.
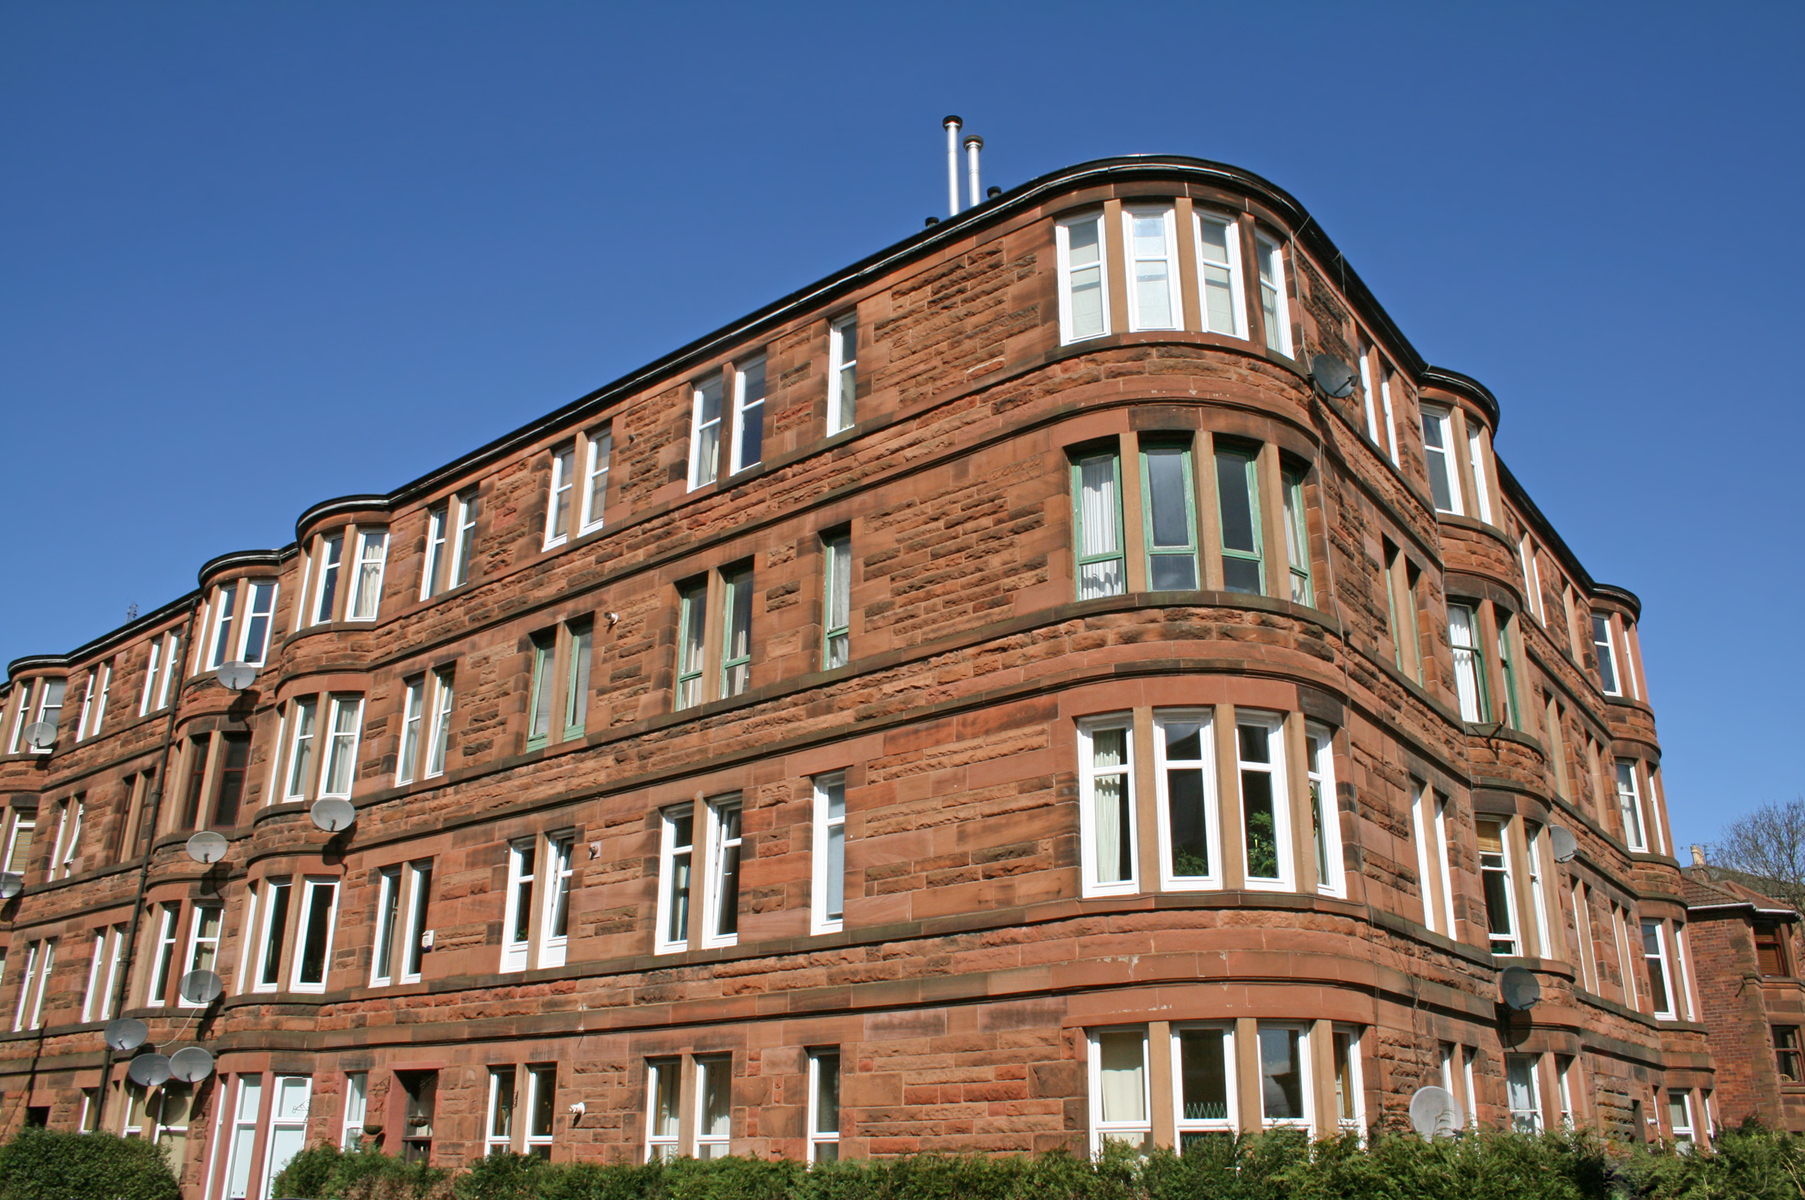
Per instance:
x=991, y=699
x=1748, y=953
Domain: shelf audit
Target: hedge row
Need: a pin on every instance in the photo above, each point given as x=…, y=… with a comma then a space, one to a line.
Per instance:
x=40, y=1165
x=1747, y=1164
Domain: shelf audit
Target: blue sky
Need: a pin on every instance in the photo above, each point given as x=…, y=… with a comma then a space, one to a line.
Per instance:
x=254, y=255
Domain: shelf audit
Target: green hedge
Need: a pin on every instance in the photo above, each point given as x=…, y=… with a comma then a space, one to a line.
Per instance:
x=40, y=1165
x=1749, y=1164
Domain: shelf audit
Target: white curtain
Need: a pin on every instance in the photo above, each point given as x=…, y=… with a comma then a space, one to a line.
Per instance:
x=1122, y=1071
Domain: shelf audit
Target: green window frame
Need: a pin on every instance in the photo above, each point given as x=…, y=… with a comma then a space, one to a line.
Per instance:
x=836, y=606
x=1238, y=507
x=539, y=707
x=692, y=629
x=1098, y=544
x=736, y=643
x=1297, y=539
x=1507, y=662
x=1169, y=515
x=576, y=681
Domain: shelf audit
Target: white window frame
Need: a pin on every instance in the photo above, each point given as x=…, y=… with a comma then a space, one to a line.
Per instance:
x=1443, y=420
x=163, y=958
x=437, y=746
x=1532, y=576
x=438, y=538
x=267, y=928
x=1685, y=1137
x=450, y=534
x=663, y=1140
x=1274, y=724
x=1524, y=1120
x=842, y=409
x=1626, y=954
x=286, y=1127
x=68, y=836
x=559, y=869
x=539, y=1075
x=23, y=1006
x=299, y=765
x=1629, y=805
x=1101, y=1131
x=1088, y=728
x=699, y=392
x=743, y=406
x=1306, y=1064
x=310, y=887
x=255, y=590
x=598, y=450
x=821, y=915
x=222, y=619
x=150, y=676
x=324, y=607
x=341, y=742
x=502, y=1142
x=22, y=717
x=1582, y=931
x=1062, y=255
x=721, y=847
x=559, y=493
x=94, y=966
x=196, y=916
x=1271, y=256
x=366, y=578
x=413, y=703
x=669, y=850
x=100, y=700
x=823, y=1144
x=1682, y=980
x=1355, y=1124
x=1507, y=869
x=1168, y=219
x=1444, y=859
x=1230, y=1121
x=1478, y=452
x=247, y=1114
x=1563, y=1087
x=387, y=937
x=356, y=1106
x=1205, y=718
x=711, y=1144
x=1607, y=654
x=1419, y=833
x=1538, y=898
x=1369, y=394
x=1319, y=769
x=523, y=889
x=1660, y=956
x=1237, y=302
x=413, y=951
x=1386, y=374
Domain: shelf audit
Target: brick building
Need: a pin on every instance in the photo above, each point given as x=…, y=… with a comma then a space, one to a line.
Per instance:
x=1748, y=953
x=991, y=699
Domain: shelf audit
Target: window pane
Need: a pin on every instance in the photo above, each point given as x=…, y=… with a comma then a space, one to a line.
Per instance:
x=1281, y=1074
x=1109, y=750
x=1099, y=528
x=1122, y=1071
x=319, y=932
x=1204, y=1078
x=717, y=1099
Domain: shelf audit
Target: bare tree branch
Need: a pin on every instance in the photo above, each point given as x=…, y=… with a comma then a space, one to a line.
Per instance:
x=1770, y=843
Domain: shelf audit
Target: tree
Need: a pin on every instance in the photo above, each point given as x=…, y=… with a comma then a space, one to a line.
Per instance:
x=1769, y=843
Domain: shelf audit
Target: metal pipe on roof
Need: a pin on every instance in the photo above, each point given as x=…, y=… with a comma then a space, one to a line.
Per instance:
x=953, y=125
x=973, y=144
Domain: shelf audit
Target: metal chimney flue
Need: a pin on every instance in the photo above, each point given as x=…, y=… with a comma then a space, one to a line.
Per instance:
x=953, y=125
x=973, y=144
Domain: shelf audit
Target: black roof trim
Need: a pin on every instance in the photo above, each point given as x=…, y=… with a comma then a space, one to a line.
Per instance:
x=1466, y=385
x=346, y=504
x=244, y=558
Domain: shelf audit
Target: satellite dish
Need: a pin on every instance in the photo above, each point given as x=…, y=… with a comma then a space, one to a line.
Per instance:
x=11, y=884
x=191, y=1064
x=1520, y=988
x=333, y=815
x=1563, y=842
x=1333, y=376
x=236, y=676
x=148, y=1070
x=1434, y=1112
x=206, y=847
x=125, y=1033
x=40, y=735
x=200, y=987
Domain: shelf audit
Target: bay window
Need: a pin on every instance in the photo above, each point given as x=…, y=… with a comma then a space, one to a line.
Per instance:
x=1607, y=655
x=1185, y=772
x=1438, y=460
x=1150, y=235
x=1265, y=809
x=1629, y=805
x=1500, y=889
x=1097, y=518
x=1168, y=510
x=366, y=585
x=1660, y=977
x=1106, y=813
x=1218, y=246
x=1120, y=1106
x=1238, y=506
x=313, y=946
x=1203, y=1070
x=1274, y=309
x=1469, y=663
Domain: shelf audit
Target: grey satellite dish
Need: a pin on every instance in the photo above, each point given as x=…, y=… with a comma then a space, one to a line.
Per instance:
x=148, y=1070
x=1332, y=375
x=1562, y=841
x=236, y=676
x=200, y=987
x=1434, y=1112
x=1520, y=988
x=125, y=1033
x=191, y=1064
x=11, y=884
x=333, y=815
x=40, y=735
x=206, y=847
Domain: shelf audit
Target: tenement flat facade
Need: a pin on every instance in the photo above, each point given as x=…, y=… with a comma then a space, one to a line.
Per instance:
x=993, y=699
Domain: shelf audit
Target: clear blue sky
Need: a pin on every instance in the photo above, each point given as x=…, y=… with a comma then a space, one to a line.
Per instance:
x=254, y=255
